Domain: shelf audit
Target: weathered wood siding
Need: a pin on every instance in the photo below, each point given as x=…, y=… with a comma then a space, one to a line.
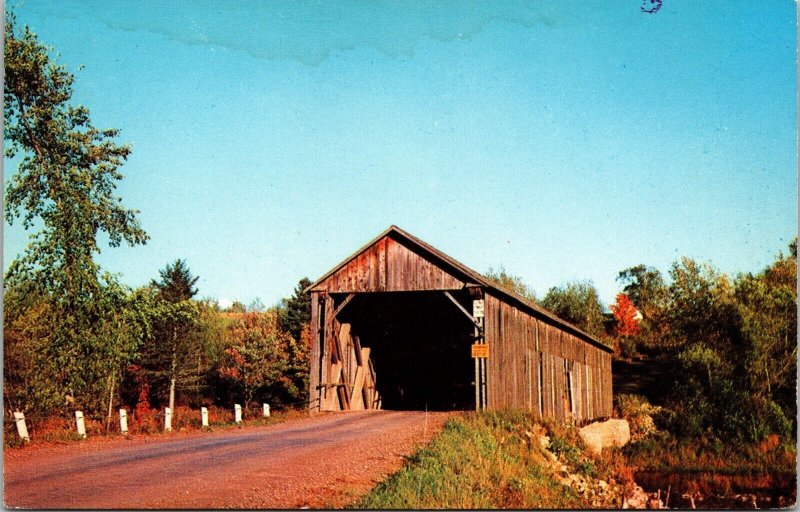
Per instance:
x=387, y=266
x=342, y=376
x=536, y=362
x=536, y=366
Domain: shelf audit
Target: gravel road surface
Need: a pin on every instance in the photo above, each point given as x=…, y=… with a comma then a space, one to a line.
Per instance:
x=322, y=461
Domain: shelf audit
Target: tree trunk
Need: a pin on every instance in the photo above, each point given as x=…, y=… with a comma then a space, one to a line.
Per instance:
x=766, y=370
x=172, y=395
x=173, y=374
x=110, y=404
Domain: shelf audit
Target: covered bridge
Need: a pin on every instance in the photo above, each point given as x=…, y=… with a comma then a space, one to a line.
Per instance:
x=401, y=325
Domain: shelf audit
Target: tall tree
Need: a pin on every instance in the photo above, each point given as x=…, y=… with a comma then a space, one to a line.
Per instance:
x=647, y=290
x=579, y=304
x=176, y=283
x=645, y=287
x=702, y=307
x=176, y=348
x=65, y=182
x=295, y=312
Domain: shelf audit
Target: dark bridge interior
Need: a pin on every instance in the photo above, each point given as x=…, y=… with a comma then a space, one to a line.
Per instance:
x=420, y=348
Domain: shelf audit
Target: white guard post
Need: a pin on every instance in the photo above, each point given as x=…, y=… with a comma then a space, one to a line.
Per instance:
x=123, y=421
x=204, y=416
x=81, y=425
x=237, y=413
x=266, y=410
x=167, y=419
x=22, y=428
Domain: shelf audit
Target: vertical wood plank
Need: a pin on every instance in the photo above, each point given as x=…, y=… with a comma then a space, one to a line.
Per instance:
x=313, y=378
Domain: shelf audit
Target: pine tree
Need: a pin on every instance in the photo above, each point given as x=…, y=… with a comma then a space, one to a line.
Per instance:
x=295, y=312
x=174, y=352
x=176, y=282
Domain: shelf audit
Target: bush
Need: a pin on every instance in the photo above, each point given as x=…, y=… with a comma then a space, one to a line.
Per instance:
x=639, y=413
x=751, y=418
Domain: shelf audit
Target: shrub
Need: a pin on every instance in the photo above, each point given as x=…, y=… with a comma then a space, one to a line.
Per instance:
x=639, y=413
x=751, y=418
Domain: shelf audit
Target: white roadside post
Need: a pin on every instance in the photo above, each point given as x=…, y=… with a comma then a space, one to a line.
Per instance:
x=81, y=425
x=22, y=428
x=123, y=421
x=167, y=419
x=237, y=413
x=266, y=410
x=204, y=416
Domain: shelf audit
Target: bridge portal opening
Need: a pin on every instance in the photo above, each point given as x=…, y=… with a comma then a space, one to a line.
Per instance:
x=420, y=347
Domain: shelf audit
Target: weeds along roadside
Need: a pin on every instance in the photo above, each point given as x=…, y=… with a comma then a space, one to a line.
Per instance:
x=655, y=446
x=62, y=429
x=499, y=460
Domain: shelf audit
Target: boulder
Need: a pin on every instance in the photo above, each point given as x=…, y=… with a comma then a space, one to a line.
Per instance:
x=604, y=434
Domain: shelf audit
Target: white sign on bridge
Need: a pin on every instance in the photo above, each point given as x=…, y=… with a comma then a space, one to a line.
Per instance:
x=477, y=308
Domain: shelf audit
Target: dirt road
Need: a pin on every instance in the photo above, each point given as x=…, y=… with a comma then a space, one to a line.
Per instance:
x=322, y=461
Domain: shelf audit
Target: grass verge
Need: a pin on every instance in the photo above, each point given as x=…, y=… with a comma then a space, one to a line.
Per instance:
x=478, y=461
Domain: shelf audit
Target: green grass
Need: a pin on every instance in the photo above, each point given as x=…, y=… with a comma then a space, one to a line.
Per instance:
x=481, y=461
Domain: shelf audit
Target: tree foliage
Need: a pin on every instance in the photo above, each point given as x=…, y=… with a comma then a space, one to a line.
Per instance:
x=295, y=312
x=579, y=304
x=259, y=358
x=767, y=308
x=626, y=315
x=645, y=287
x=176, y=283
x=174, y=350
x=66, y=177
x=511, y=282
x=735, y=342
x=64, y=185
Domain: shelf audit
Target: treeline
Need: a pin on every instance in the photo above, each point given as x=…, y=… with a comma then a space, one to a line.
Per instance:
x=729, y=343
x=153, y=347
x=733, y=342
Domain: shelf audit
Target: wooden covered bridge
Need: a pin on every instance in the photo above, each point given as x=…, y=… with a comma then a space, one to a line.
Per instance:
x=401, y=325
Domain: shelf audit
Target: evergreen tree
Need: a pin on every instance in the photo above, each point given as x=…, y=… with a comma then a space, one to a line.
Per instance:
x=295, y=312
x=174, y=354
x=176, y=282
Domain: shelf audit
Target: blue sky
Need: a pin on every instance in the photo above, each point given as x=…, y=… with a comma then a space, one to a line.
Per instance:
x=561, y=140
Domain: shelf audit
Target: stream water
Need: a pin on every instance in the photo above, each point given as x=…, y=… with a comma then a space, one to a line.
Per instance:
x=715, y=491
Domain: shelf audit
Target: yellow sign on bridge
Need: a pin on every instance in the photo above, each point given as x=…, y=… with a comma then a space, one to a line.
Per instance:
x=480, y=351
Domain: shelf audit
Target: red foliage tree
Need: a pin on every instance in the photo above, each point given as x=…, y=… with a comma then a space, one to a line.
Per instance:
x=143, y=415
x=627, y=316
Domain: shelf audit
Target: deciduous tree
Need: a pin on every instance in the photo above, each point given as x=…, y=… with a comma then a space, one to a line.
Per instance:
x=511, y=282
x=257, y=359
x=626, y=315
x=64, y=185
x=579, y=304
